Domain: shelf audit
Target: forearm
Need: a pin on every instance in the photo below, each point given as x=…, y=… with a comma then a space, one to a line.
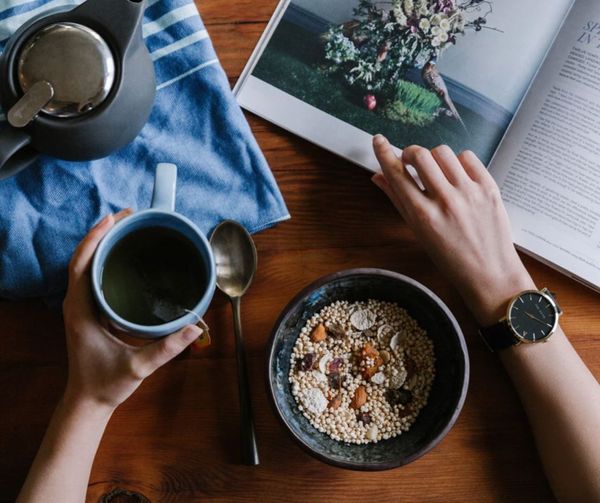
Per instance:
x=562, y=400
x=560, y=396
x=62, y=466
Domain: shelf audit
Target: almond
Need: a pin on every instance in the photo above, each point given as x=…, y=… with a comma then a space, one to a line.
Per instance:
x=335, y=402
x=360, y=398
x=318, y=334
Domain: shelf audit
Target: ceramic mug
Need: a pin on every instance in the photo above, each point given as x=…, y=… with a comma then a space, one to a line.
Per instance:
x=161, y=214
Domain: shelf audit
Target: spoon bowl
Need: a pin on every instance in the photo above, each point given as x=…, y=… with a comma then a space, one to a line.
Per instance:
x=235, y=257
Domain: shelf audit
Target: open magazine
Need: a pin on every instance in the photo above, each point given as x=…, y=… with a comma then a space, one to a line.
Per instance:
x=515, y=81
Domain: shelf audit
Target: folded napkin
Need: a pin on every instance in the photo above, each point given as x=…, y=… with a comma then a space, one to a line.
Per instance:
x=195, y=123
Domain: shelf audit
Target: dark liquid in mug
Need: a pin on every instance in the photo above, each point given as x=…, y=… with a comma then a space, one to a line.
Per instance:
x=153, y=276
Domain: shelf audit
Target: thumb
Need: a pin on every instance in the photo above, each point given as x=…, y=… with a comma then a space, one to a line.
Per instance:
x=155, y=355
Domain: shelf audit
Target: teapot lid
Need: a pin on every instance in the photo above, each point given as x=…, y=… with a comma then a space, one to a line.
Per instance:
x=75, y=61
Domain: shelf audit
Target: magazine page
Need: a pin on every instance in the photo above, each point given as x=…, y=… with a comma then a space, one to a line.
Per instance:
x=418, y=71
x=548, y=166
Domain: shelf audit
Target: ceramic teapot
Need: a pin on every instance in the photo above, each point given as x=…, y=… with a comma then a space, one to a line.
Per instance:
x=76, y=84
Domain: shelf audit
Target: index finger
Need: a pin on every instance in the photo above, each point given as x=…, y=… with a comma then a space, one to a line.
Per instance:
x=79, y=282
x=398, y=177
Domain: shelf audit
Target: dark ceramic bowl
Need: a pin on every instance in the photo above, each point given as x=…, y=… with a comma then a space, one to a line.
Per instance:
x=447, y=392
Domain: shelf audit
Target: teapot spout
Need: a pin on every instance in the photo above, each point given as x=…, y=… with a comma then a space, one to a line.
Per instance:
x=120, y=21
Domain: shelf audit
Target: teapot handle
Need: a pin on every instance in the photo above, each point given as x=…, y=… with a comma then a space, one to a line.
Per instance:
x=122, y=19
x=15, y=153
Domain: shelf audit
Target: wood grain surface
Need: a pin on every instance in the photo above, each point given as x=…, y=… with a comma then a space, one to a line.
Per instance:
x=177, y=438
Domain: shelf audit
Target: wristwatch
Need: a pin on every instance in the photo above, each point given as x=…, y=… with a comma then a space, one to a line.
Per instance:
x=532, y=316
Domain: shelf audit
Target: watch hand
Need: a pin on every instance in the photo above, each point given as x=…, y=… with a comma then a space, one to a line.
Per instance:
x=537, y=319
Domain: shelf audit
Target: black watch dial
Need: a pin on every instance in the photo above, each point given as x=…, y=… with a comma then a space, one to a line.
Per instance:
x=533, y=316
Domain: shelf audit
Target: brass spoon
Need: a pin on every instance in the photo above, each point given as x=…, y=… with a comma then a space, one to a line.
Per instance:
x=235, y=257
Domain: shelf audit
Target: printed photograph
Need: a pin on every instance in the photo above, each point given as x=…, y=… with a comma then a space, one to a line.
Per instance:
x=418, y=71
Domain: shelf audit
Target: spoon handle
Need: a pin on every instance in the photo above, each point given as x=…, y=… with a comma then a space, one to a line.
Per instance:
x=248, y=437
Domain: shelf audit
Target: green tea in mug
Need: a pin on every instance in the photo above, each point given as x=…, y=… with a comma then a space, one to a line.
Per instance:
x=153, y=275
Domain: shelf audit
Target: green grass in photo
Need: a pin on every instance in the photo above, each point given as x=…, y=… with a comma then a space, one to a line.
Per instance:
x=413, y=105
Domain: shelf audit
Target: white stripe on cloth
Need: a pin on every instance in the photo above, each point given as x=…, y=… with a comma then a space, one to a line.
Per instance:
x=179, y=44
x=185, y=74
x=170, y=18
x=10, y=25
x=4, y=5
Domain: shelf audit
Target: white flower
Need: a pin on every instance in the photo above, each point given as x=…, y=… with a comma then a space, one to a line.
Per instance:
x=408, y=6
x=424, y=24
x=445, y=25
x=435, y=42
x=435, y=19
x=436, y=31
x=443, y=37
x=401, y=18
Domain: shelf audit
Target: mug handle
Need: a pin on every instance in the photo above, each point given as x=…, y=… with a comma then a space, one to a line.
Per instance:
x=15, y=152
x=165, y=183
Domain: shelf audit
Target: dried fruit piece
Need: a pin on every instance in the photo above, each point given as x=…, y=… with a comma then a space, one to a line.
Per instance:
x=336, y=331
x=370, y=353
x=335, y=380
x=385, y=356
x=404, y=396
x=335, y=365
x=363, y=319
x=335, y=402
x=360, y=398
x=318, y=334
x=378, y=378
x=410, y=366
x=364, y=417
x=307, y=361
x=399, y=396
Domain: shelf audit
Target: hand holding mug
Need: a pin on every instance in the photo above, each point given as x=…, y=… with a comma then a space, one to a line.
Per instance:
x=102, y=368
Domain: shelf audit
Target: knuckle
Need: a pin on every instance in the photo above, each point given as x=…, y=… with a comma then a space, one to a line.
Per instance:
x=421, y=155
x=137, y=370
x=169, y=348
x=413, y=151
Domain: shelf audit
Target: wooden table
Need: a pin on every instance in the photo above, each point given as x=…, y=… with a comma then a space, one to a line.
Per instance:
x=177, y=438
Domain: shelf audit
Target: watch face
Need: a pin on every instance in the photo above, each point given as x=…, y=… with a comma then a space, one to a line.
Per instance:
x=532, y=316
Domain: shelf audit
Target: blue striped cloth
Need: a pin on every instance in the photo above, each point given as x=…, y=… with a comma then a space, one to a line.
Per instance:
x=195, y=123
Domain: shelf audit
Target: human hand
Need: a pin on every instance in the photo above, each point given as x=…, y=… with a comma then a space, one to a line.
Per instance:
x=460, y=220
x=104, y=370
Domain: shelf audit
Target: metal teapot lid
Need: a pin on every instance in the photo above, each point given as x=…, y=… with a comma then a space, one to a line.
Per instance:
x=65, y=70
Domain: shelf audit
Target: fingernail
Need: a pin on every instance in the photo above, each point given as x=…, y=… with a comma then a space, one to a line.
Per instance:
x=379, y=140
x=191, y=333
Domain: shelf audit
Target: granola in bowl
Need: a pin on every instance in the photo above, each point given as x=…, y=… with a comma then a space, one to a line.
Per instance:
x=361, y=371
